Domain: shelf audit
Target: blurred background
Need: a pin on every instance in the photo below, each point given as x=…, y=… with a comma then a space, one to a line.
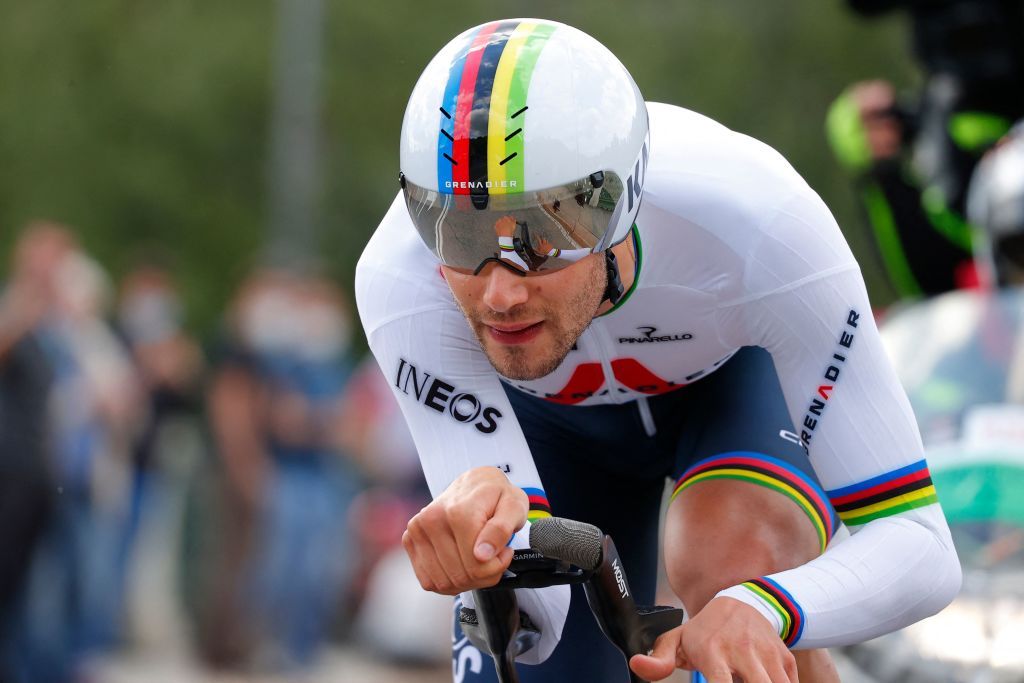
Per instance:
x=203, y=474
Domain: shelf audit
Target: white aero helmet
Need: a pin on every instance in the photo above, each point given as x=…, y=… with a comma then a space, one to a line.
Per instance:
x=525, y=142
x=995, y=207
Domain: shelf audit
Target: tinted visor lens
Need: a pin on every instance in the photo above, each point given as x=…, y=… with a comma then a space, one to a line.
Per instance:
x=530, y=231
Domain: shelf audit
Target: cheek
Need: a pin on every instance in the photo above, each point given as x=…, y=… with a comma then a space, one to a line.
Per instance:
x=462, y=287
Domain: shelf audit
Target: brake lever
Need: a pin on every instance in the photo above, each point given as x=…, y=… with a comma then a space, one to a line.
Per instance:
x=531, y=569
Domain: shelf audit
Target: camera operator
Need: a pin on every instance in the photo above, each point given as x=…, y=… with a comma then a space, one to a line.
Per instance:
x=913, y=163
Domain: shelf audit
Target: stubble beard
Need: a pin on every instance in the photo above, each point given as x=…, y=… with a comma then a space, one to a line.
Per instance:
x=565, y=324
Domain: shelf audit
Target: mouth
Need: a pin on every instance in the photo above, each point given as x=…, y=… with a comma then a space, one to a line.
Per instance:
x=518, y=333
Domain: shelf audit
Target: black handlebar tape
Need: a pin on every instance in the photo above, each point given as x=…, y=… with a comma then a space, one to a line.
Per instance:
x=568, y=540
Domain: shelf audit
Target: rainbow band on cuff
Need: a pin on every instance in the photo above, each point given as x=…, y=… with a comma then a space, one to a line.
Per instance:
x=888, y=494
x=788, y=609
x=539, y=506
x=773, y=473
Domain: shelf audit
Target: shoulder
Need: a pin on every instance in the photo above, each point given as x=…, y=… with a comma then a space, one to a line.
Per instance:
x=396, y=275
x=700, y=162
x=726, y=193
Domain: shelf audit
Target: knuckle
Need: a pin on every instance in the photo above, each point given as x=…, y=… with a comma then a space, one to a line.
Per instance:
x=502, y=528
x=482, y=577
x=415, y=524
x=431, y=516
x=461, y=515
x=425, y=582
x=461, y=580
x=718, y=673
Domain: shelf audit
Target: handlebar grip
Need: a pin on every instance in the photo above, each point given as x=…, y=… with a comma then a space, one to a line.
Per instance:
x=568, y=540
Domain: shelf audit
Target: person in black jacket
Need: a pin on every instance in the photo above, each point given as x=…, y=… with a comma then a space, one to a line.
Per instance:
x=913, y=163
x=26, y=486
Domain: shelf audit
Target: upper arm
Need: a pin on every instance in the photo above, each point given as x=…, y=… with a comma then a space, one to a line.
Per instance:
x=808, y=306
x=451, y=397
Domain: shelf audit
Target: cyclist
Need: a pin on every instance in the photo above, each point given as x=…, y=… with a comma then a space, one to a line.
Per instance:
x=702, y=326
x=995, y=206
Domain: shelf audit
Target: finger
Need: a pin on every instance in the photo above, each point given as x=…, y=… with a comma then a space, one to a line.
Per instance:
x=753, y=672
x=450, y=564
x=426, y=562
x=789, y=671
x=773, y=658
x=420, y=565
x=719, y=673
x=651, y=668
x=777, y=672
x=751, y=667
x=508, y=517
x=784, y=669
x=661, y=661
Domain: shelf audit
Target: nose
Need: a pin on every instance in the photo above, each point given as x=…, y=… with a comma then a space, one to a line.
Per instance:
x=504, y=290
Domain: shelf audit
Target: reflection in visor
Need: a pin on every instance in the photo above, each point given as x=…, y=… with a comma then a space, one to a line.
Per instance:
x=529, y=232
x=520, y=253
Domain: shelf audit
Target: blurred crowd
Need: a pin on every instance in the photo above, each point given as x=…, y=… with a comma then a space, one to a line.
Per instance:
x=231, y=498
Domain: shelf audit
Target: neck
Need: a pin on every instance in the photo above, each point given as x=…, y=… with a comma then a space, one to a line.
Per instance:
x=626, y=257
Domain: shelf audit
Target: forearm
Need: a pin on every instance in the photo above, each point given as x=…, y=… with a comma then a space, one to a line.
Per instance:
x=892, y=573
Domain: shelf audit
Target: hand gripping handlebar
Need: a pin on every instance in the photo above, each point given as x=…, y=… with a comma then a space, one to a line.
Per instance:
x=563, y=551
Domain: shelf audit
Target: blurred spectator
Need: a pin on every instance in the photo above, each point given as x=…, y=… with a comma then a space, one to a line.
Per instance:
x=73, y=601
x=167, y=359
x=168, y=364
x=275, y=402
x=378, y=439
x=913, y=162
x=25, y=483
x=995, y=207
x=375, y=435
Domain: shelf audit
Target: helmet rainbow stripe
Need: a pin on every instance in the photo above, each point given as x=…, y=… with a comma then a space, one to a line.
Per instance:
x=483, y=110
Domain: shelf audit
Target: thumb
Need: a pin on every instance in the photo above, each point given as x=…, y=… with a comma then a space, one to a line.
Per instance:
x=508, y=517
x=662, y=660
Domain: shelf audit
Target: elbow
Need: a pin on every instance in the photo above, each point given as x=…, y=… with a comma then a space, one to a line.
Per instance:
x=945, y=577
x=936, y=575
x=955, y=577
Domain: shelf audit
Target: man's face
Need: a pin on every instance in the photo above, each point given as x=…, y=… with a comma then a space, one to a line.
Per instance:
x=528, y=325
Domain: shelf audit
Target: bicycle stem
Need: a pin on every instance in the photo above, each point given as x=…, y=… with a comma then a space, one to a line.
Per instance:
x=499, y=622
x=632, y=630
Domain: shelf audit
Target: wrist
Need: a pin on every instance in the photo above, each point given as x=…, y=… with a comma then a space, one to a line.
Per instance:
x=738, y=594
x=782, y=603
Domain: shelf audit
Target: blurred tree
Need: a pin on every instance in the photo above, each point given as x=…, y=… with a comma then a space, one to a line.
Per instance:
x=139, y=123
x=144, y=122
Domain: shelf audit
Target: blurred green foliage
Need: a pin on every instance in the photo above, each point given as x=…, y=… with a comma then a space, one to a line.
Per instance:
x=145, y=123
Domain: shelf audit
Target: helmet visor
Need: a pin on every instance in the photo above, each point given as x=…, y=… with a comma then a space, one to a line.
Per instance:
x=532, y=232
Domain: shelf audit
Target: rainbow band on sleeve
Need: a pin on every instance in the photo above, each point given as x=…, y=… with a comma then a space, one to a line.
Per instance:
x=483, y=111
x=779, y=600
x=888, y=494
x=539, y=506
x=776, y=474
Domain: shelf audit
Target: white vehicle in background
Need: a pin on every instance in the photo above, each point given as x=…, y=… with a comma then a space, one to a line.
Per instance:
x=961, y=358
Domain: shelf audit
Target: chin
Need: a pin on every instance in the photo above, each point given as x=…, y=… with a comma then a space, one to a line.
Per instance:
x=524, y=363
